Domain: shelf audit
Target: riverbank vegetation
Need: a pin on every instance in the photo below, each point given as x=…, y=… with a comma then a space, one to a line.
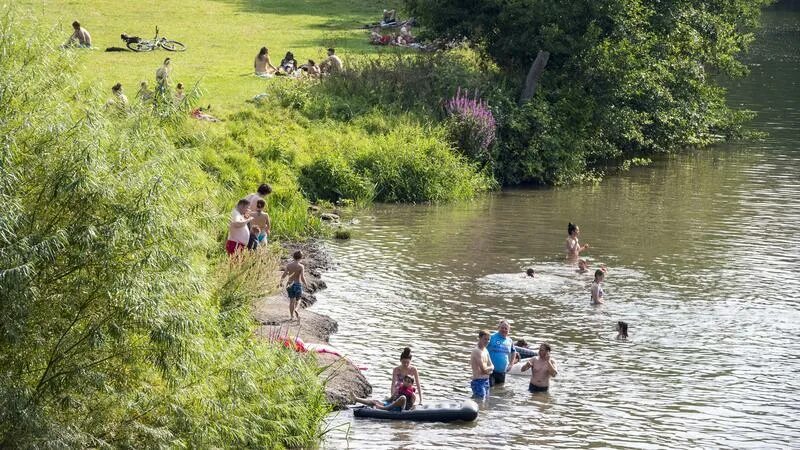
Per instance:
x=121, y=323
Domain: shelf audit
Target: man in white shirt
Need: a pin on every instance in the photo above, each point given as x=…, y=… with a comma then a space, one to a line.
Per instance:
x=238, y=232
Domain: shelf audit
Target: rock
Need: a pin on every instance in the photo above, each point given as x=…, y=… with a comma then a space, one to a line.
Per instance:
x=330, y=217
x=313, y=209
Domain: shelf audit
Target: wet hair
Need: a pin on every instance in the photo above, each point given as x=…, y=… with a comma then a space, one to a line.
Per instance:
x=623, y=328
x=264, y=189
x=599, y=273
x=521, y=343
x=263, y=51
x=117, y=87
x=571, y=228
x=406, y=353
x=242, y=202
x=530, y=272
x=408, y=378
x=298, y=255
x=261, y=203
x=332, y=50
x=76, y=24
x=482, y=333
x=546, y=346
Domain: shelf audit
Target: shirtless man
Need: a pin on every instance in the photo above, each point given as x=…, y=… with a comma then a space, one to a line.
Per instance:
x=543, y=367
x=482, y=366
x=296, y=274
x=331, y=64
x=80, y=37
x=262, y=62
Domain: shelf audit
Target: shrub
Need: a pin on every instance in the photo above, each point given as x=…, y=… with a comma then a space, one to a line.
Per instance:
x=471, y=125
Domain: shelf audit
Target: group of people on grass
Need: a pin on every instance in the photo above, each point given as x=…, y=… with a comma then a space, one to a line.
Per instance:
x=264, y=68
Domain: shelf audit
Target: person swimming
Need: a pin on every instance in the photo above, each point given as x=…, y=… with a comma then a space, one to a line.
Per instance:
x=597, y=289
x=573, y=247
x=530, y=273
x=622, y=330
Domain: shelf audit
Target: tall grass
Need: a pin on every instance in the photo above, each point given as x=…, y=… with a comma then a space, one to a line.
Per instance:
x=121, y=324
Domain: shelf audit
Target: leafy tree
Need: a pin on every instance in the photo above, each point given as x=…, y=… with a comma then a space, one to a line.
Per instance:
x=625, y=77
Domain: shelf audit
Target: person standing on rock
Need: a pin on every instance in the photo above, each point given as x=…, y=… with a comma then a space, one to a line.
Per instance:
x=482, y=367
x=543, y=367
x=501, y=351
x=403, y=370
x=238, y=234
x=295, y=272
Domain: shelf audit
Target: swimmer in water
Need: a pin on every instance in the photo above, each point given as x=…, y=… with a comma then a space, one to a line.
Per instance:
x=583, y=267
x=530, y=273
x=597, y=289
x=622, y=330
x=573, y=247
x=543, y=367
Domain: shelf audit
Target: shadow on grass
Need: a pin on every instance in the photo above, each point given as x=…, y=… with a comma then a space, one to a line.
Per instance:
x=337, y=14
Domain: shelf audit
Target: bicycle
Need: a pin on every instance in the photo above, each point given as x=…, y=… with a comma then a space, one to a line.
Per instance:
x=138, y=44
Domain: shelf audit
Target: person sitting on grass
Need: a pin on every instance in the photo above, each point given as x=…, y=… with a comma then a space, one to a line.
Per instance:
x=179, y=94
x=331, y=64
x=404, y=399
x=145, y=95
x=119, y=99
x=311, y=69
x=288, y=64
x=389, y=16
x=80, y=37
x=262, y=65
x=405, y=37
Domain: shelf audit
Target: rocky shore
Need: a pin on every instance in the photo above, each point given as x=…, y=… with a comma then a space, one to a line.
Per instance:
x=343, y=379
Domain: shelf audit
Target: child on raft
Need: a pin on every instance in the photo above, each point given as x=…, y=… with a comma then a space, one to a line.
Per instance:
x=403, y=400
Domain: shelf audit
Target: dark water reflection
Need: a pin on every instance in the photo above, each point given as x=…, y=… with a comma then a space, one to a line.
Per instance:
x=703, y=255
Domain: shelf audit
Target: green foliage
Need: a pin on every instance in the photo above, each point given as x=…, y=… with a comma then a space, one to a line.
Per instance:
x=116, y=328
x=624, y=78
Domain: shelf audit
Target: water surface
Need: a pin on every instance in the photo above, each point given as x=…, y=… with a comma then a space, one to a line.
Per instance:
x=703, y=255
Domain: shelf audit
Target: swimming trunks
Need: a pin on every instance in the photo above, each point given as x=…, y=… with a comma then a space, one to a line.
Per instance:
x=295, y=290
x=480, y=388
x=534, y=388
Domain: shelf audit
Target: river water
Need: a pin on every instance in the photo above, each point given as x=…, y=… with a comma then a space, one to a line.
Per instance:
x=703, y=255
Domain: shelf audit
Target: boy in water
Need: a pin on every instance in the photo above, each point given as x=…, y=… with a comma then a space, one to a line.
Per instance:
x=296, y=274
x=543, y=367
x=530, y=273
x=482, y=367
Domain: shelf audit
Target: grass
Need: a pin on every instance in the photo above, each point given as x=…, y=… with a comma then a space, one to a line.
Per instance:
x=222, y=36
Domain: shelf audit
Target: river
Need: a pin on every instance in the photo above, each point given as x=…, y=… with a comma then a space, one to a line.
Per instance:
x=703, y=255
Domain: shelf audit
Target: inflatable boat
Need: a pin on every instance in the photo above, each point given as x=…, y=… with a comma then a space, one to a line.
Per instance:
x=434, y=412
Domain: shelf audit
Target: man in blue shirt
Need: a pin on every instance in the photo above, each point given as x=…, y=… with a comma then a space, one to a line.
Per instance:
x=502, y=353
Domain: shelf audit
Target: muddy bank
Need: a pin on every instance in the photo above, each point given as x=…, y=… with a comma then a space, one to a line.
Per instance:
x=343, y=379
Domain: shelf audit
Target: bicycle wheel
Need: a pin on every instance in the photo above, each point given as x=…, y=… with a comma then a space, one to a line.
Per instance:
x=173, y=46
x=140, y=46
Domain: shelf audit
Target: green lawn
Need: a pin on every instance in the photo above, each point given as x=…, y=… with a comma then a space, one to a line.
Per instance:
x=223, y=37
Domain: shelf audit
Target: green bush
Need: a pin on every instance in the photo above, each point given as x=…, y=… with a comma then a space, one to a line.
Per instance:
x=116, y=328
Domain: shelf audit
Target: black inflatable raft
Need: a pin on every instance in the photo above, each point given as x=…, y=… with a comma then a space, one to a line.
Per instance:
x=435, y=412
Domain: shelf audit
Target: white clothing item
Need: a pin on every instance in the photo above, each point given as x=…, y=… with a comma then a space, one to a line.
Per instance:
x=237, y=228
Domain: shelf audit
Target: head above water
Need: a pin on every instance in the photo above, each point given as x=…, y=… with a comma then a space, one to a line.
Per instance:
x=544, y=349
x=572, y=229
x=582, y=264
x=599, y=275
x=530, y=272
x=622, y=328
x=298, y=255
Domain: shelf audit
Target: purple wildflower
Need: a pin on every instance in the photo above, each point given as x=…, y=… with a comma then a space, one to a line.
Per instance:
x=474, y=122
